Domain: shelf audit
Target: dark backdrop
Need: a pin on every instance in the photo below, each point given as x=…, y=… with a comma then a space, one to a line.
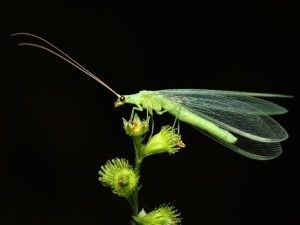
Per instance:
x=57, y=127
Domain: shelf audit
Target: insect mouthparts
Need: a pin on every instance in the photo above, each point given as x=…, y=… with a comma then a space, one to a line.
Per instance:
x=118, y=103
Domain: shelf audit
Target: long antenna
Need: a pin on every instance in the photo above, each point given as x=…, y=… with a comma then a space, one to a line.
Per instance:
x=62, y=55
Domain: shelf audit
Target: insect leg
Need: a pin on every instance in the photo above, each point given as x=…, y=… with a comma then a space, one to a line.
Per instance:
x=133, y=109
x=152, y=121
x=178, y=124
x=177, y=121
x=162, y=112
x=152, y=126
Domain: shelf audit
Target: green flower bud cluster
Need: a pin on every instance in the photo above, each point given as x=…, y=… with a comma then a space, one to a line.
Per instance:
x=119, y=175
x=163, y=215
x=136, y=127
x=167, y=140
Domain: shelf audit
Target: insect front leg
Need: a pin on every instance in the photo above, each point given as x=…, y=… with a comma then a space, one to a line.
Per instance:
x=138, y=107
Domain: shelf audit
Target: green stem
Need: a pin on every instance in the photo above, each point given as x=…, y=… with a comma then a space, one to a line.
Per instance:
x=133, y=200
x=138, y=146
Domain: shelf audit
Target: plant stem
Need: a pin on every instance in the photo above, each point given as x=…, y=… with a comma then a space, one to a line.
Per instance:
x=137, y=148
x=133, y=200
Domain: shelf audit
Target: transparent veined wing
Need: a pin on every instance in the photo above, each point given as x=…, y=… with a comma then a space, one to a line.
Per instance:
x=251, y=148
x=250, y=98
x=241, y=113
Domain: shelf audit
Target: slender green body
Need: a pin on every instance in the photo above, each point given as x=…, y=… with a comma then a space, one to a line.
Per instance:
x=153, y=101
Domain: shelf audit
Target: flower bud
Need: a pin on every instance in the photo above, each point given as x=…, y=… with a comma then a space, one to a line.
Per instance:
x=163, y=215
x=136, y=127
x=167, y=140
x=119, y=176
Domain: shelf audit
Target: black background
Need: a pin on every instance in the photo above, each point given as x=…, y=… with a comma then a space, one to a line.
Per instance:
x=58, y=127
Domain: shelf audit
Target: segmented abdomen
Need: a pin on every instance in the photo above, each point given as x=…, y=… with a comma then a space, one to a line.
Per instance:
x=193, y=119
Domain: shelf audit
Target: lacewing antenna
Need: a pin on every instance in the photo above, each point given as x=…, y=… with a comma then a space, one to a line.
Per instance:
x=62, y=55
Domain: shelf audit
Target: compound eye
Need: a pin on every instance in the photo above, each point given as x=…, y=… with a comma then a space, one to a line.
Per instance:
x=122, y=98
